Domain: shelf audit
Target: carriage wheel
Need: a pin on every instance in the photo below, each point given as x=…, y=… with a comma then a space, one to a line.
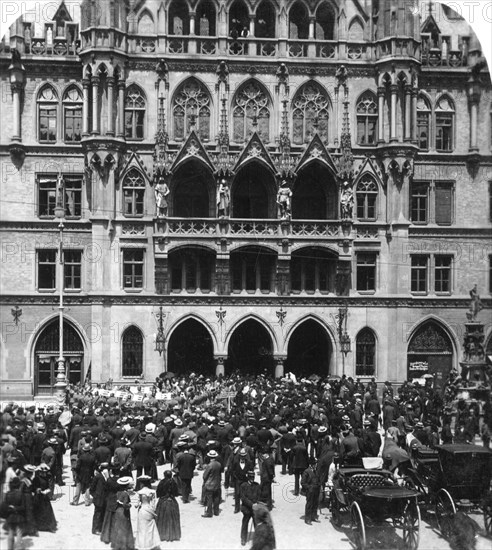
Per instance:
x=411, y=525
x=336, y=514
x=487, y=519
x=445, y=511
x=358, y=526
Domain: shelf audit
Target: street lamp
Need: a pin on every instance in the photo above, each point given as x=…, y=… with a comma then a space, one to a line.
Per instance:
x=61, y=379
x=343, y=336
x=160, y=339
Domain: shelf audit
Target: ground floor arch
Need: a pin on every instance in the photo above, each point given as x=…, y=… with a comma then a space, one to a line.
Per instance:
x=191, y=349
x=309, y=350
x=47, y=351
x=430, y=351
x=250, y=349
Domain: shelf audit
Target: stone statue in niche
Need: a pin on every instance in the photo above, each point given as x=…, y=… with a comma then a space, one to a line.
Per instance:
x=475, y=304
x=347, y=201
x=223, y=198
x=284, y=196
x=161, y=192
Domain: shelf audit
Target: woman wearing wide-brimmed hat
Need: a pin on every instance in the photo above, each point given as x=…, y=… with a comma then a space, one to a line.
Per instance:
x=168, y=517
x=122, y=532
x=43, y=511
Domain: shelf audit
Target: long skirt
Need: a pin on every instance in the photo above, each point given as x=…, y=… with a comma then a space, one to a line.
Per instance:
x=122, y=532
x=107, y=528
x=168, y=519
x=43, y=513
x=147, y=536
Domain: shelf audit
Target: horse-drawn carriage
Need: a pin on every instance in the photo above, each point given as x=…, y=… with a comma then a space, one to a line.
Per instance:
x=373, y=498
x=450, y=478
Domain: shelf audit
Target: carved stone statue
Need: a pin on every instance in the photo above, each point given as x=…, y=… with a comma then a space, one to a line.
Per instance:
x=284, y=196
x=475, y=304
x=347, y=201
x=161, y=192
x=223, y=198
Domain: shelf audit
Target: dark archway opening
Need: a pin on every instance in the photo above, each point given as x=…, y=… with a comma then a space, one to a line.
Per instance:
x=191, y=349
x=250, y=350
x=309, y=350
x=191, y=191
x=315, y=195
x=250, y=193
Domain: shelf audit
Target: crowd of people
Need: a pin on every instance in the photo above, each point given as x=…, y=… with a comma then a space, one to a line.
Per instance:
x=303, y=428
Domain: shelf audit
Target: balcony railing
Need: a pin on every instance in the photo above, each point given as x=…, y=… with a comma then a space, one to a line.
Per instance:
x=247, y=228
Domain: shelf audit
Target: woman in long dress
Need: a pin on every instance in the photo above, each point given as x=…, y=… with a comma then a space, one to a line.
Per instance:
x=43, y=511
x=122, y=532
x=112, y=488
x=147, y=536
x=168, y=519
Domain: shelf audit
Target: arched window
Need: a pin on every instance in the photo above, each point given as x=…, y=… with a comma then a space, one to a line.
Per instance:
x=298, y=22
x=445, y=124
x=251, y=104
x=366, y=195
x=132, y=364
x=133, y=193
x=47, y=115
x=192, y=101
x=134, y=113
x=325, y=22
x=179, y=18
x=205, y=17
x=265, y=20
x=365, y=353
x=367, y=119
x=310, y=112
x=72, y=114
x=423, y=123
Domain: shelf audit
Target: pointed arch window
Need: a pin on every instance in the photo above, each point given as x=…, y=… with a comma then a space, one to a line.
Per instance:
x=134, y=113
x=133, y=193
x=72, y=115
x=365, y=353
x=445, y=124
x=47, y=115
x=192, y=104
x=310, y=113
x=367, y=119
x=367, y=195
x=132, y=356
x=423, y=123
x=251, y=106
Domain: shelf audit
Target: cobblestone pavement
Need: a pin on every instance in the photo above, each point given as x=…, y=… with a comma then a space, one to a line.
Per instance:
x=223, y=532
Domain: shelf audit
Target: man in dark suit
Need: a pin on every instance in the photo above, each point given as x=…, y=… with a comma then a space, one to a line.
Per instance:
x=250, y=494
x=287, y=443
x=311, y=486
x=212, y=477
x=267, y=475
x=185, y=468
x=350, y=452
x=85, y=471
x=143, y=456
x=300, y=461
x=241, y=465
x=98, y=493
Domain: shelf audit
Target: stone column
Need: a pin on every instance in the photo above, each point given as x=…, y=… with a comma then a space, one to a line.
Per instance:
x=192, y=24
x=95, y=104
x=381, y=93
x=121, y=108
x=311, y=28
x=220, y=369
x=408, y=113
x=16, y=88
x=85, y=106
x=414, y=114
x=110, y=81
x=394, y=91
x=279, y=366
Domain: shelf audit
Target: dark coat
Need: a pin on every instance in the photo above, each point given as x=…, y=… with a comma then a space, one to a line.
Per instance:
x=241, y=474
x=212, y=476
x=250, y=494
x=85, y=467
x=98, y=489
x=143, y=454
x=300, y=459
x=185, y=465
x=310, y=480
x=267, y=470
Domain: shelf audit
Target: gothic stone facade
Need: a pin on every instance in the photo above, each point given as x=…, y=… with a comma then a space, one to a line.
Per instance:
x=375, y=123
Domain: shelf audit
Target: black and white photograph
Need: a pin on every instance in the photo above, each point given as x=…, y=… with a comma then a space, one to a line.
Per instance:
x=245, y=275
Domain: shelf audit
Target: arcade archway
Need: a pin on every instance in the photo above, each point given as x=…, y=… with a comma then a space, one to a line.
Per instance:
x=191, y=349
x=309, y=350
x=47, y=351
x=250, y=349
